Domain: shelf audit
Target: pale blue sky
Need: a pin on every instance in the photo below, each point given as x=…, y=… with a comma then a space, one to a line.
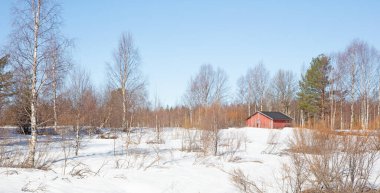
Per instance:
x=176, y=37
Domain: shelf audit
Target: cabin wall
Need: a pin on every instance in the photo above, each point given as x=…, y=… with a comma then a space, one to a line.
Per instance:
x=278, y=124
x=260, y=121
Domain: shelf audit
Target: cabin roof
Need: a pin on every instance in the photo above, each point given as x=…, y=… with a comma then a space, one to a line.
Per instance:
x=273, y=115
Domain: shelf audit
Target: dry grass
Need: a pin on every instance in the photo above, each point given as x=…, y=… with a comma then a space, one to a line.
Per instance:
x=16, y=155
x=243, y=183
x=34, y=187
x=331, y=162
x=273, y=143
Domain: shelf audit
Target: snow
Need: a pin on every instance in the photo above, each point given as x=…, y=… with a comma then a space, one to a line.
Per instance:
x=149, y=167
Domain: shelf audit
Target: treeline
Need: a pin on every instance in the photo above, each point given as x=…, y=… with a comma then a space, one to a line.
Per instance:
x=41, y=86
x=340, y=91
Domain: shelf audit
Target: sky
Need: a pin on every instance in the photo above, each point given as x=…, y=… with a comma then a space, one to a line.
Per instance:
x=176, y=37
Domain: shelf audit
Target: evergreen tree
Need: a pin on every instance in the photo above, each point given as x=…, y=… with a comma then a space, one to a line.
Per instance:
x=313, y=88
x=5, y=80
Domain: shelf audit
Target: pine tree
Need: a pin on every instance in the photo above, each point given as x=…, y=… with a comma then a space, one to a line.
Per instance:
x=5, y=80
x=313, y=88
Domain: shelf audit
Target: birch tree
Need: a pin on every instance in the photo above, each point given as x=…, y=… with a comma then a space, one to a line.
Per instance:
x=368, y=60
x=260, y=83
x=339, y=90
x=33, y=25
x=106, y=106
x=124, y=73
x=349, y=79
x=79, y=87
x=207, y=92
x=359, y=64
x=157, y=108
x=59, y=64
x=284, y=89
x=253, y=86
x=245, y=93
x=207, y=87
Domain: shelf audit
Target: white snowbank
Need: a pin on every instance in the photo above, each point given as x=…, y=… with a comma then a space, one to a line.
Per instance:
x=150, y=167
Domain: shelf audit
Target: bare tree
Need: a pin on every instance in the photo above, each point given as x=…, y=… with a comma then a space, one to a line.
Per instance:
x=245, y=94
x=34, y=23
x=260, y=83
x=284, y=88
x=378, y=95
x=157, y=107
x=369, y=59
x=207, y=87
x=359, y=64
x=106, y=106
x=79, y=87
x=207, y=92
x=59, y=64
x=253, y=86
x=124, y=73
x=339, y=90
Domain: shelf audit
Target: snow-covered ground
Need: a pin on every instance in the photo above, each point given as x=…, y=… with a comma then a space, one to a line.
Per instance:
x=105, y=165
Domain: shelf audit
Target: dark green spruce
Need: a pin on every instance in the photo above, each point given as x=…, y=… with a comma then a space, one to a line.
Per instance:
x=313, y=88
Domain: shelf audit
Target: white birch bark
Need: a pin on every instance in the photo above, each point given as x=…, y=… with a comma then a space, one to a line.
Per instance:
x=124, y=75
x=77, y=136
x=33, y=104
x=55, y=96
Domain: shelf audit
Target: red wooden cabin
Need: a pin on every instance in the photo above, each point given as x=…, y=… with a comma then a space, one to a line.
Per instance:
x=266, y=119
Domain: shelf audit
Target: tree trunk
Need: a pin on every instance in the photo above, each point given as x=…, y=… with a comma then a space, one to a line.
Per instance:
x=367, y=114
x=249, y=109
x=107, y=118
x=378, y=109
x=362, y=113
x=77, y=129
x=332, y=117
x=352, y=116
x=123, y=124
x=157, y=129
x=55, y=99
x=33, y=104
x=287, y=108
x=323, y=106
x=352, y=93
x=341, y=115
x=216, y=129
x=130, y=122
x=191, y=117
x=216, y=141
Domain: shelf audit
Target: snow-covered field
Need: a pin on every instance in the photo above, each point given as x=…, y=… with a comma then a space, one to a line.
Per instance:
x=108, y=165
